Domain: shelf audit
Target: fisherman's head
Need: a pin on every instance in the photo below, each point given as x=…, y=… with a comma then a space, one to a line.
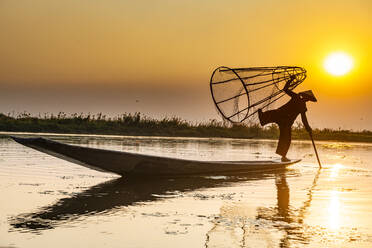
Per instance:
x=308, y=95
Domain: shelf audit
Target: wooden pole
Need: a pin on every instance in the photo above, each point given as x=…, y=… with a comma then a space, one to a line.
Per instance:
x=316, y=152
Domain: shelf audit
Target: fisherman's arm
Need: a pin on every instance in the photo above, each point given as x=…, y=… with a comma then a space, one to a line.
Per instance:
x=305, y=122
x=286, y=87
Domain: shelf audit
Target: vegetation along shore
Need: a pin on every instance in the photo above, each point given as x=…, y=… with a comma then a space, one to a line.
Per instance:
x=137, y=124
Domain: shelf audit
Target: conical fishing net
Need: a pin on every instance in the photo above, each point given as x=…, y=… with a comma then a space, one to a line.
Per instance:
x=239, y=93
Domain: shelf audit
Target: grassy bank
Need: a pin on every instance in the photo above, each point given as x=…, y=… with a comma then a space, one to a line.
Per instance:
x=136, y=124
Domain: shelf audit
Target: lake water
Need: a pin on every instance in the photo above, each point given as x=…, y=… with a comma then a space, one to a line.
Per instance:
x=48, y=202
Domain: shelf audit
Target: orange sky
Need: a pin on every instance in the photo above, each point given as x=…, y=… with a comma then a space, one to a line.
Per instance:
x=157, y=56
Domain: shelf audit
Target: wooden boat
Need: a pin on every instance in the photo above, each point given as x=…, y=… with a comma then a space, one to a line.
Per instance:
x=125, y=163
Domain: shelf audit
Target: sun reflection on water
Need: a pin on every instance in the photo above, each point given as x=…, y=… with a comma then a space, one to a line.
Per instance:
x=334, y=171
x=334, y=210
x=334, y=203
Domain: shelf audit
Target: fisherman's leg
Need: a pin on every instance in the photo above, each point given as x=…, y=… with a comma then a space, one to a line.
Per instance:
x=284, y=141
x=267, y=116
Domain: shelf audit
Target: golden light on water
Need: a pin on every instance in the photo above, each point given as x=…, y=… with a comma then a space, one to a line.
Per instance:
x=334, y=171
x=334, y=210
x=334, y=204
x=338, y=63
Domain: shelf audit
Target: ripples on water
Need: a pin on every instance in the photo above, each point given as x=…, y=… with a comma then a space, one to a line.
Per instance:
x=46, y=201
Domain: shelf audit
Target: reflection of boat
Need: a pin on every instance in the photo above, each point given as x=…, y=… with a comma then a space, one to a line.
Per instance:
x=124, y=163
x=106, y=197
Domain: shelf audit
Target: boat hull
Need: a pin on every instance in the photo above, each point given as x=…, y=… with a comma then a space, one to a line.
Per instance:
x=125, y=163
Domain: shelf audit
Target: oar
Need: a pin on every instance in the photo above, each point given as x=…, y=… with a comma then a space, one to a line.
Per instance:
x=316, y=152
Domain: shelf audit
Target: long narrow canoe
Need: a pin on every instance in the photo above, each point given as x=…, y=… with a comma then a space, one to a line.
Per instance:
x=125, y=163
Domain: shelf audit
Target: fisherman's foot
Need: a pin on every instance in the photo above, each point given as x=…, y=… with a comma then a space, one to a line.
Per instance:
x=285, y=159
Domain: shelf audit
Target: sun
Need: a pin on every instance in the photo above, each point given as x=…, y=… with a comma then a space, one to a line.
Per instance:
x=338, y=63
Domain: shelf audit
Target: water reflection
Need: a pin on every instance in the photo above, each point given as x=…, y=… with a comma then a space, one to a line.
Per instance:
x=107, y=197
x=334, y=201
x=303, y=211
x=283, y=222
x=334, y=210
x=334, y=171
x=295, y=231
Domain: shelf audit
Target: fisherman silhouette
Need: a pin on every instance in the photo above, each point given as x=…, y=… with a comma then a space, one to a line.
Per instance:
x=285, y=116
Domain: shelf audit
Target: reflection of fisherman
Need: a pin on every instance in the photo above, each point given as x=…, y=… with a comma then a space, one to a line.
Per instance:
x=286, y=115
x=282, y=191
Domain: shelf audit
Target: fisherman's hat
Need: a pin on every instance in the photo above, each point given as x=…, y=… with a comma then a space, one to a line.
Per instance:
x=308, y=95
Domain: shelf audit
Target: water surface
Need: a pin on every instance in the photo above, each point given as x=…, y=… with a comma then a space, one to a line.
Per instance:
x=48, y=202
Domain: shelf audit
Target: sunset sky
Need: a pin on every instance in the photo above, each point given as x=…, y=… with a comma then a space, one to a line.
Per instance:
x=156, y=57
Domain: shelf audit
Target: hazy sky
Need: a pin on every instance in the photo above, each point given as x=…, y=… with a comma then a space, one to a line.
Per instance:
x=157, y=56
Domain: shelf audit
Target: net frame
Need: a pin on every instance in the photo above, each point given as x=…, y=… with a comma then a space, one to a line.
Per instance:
x=279, y=75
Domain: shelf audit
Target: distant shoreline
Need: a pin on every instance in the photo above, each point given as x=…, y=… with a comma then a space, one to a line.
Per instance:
x=138, y=125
